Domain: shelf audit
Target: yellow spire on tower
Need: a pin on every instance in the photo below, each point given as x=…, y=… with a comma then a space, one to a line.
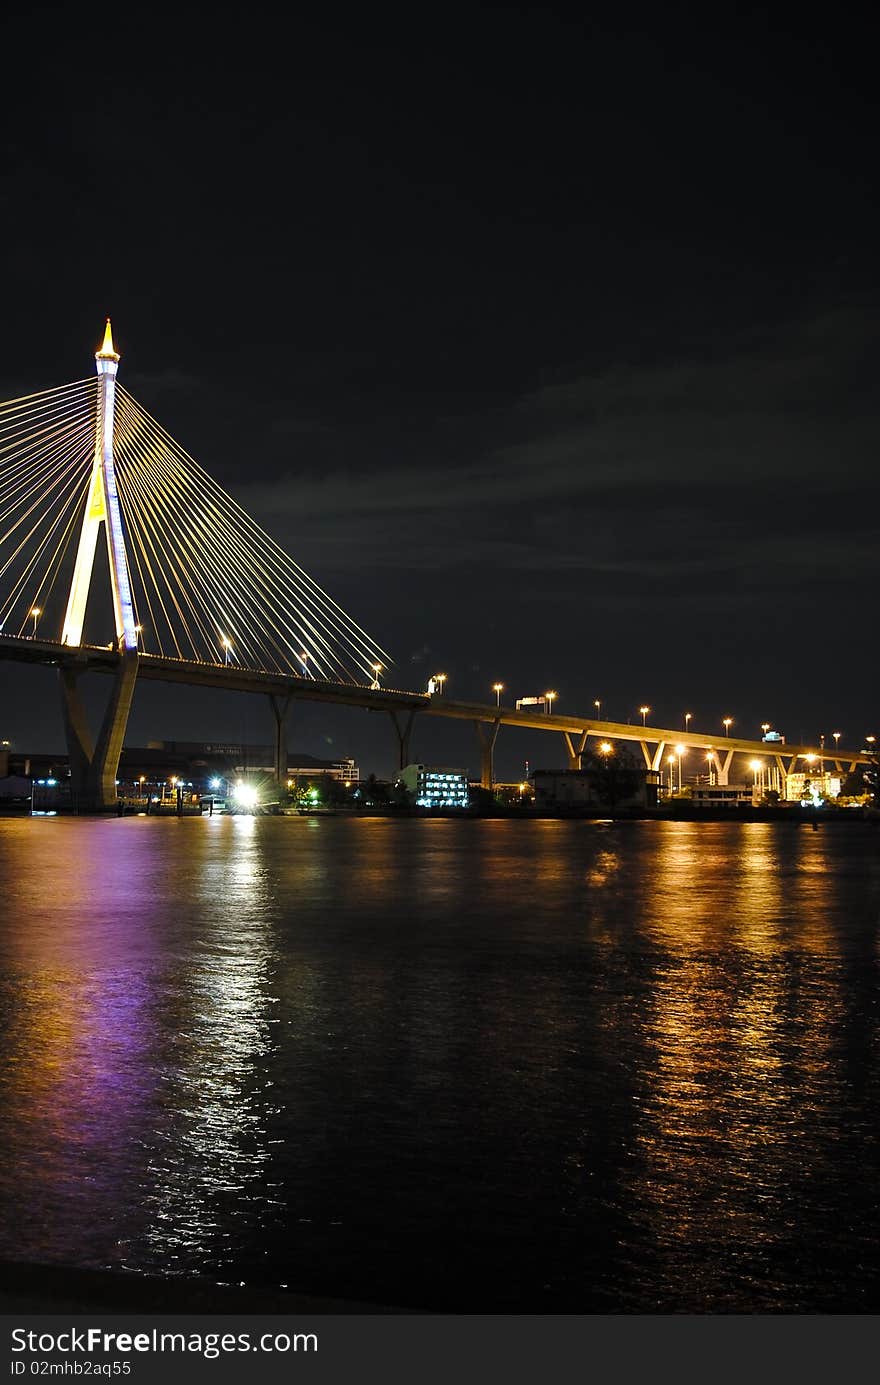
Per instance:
x=107, y=351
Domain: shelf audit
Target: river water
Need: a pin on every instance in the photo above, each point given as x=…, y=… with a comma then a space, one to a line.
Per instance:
x=482, y=1065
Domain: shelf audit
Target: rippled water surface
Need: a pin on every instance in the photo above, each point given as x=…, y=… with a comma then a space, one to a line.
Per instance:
x=481, y=1065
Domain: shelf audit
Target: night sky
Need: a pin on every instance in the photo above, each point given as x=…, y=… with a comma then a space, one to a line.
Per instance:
x=548, y=347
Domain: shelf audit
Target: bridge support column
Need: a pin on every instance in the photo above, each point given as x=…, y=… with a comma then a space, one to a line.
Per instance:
x=724, y=769
x=95, y=765
x=487, y=737
x=280, y=707
x=80, y=742
x=653, y=761
x=574, y=745
x=404, y=735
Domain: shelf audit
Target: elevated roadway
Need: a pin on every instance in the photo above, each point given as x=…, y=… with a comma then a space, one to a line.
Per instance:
x=655, y=742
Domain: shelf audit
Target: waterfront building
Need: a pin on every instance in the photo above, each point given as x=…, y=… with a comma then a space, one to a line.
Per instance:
x=812, y=786
x=229, y=758
x=722, y=795
x=596, y=786
x=198, y=767
x=439, y=787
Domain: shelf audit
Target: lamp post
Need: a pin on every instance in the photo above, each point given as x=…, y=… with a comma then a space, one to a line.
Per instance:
x=606, y=749
x=727, y=723
x=498, y=689
x=139, y=631
x=227, y=646
x=550, y=696
x=710, y=760
x=765, y=727
x=36, y=612
x=671, y=763
x=687, y=721
x=597, y=703
x=836, y=735
x=377, y=669
x=441, y=679
x=680, y=750
x=304, y=659
x=644, y=711
x=756, y=767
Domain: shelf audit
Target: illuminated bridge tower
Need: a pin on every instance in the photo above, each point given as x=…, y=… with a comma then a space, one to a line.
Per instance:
x=102, y=508
x=93, y=765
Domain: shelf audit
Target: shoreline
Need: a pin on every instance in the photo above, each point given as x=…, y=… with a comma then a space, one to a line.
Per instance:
x=682, y=812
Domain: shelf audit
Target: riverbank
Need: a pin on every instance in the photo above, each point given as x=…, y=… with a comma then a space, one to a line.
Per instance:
x=677, y=812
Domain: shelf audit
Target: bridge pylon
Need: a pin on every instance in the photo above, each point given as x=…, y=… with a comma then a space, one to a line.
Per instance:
x=94, y=765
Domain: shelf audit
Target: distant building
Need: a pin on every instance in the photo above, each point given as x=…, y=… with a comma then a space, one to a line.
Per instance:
x=195, y=765
x=15, y=791
x=226, y=758
x=806, y=788
x=722, y=795
x=435, y=788
x=601, y=786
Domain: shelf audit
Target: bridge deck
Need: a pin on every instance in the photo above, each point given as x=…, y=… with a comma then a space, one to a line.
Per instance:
x=236, y=679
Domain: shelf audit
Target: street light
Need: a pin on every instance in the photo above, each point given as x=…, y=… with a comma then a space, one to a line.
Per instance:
x=550, y=696
x=606, y=749
x=687, y=721
x=227, y=645
x=671, y=774
x=727, y=723
x=679, y=751
x=836, y=735
x=305, y=663
x=377, y=669
x=498, y=689
x=597, y=703
x=36, y=613
x=756, y=766
x=710, y=760
x=441, y=679
x=765, y=727
x=139, y=631
x=644, y=711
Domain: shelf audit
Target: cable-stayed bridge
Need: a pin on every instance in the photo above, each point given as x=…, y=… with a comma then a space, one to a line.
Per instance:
x=195, y=591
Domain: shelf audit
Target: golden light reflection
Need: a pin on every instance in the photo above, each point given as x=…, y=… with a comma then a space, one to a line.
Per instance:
x=739, y=1024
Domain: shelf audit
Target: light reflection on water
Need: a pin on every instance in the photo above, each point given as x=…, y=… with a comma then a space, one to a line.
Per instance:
x=548, y=1066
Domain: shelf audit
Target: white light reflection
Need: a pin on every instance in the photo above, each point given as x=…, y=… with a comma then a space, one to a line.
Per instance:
x=209, y=1165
